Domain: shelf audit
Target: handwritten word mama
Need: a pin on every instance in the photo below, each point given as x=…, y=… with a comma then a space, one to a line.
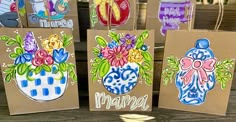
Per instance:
x=121, y=101
x=60, y=23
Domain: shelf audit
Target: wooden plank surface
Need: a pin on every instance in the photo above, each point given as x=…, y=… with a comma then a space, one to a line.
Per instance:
x=84, y=115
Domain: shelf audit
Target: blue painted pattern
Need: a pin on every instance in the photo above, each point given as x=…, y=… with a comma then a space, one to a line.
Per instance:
x=46, y=86
x=195, y=93
x=121, y=80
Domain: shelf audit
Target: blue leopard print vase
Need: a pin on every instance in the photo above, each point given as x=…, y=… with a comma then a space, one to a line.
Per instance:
x=196, y=76
x=121, y=80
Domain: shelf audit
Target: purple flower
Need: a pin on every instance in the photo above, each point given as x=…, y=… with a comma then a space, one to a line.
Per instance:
x=30, y=44
x=128, y=41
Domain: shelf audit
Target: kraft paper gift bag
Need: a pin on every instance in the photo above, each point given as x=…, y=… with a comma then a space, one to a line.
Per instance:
x=63, y=14
x=163, y=15
x=38, y=68
x=198, y=69
x=120, y=70
x=120, y=13
x=8, y=13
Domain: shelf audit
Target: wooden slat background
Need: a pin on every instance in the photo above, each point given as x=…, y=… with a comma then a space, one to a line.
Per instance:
x=205, y=19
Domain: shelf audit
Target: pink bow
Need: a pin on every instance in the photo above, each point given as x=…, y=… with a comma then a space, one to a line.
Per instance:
x=201, y=67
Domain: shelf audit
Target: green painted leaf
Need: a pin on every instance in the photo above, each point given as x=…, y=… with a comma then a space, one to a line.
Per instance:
x=8, y=70
x=8, y=77
x=19, y=39
x=148, y=81
x=147, y=56
x=139, y=43
x=67, y=43
x=94, y=78
x=101, y=41
x=114, y=36
x=46, y=68
x=223, y=85
x=19, y=50
x=63, y=67
x=11, y=42
x=104, y=68
x=38, y=70
x=73, y=76
x=4, y=38
x=13, y=55
x=22, y=69
x=96, y=51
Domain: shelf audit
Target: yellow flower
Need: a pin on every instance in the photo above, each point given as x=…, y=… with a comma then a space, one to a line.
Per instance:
x=135, y=56
x=51, y=43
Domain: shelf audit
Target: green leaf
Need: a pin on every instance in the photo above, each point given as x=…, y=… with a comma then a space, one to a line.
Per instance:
x=11, y=42
x=101, y=41
x=62, y=67
x=147, y=56
x=139, y=43
x=114, y=36
x=148, y=81
x=46, y=68
x=19, y=50
x=8, y=77
x=37, y=70
x=96, y=51
x=104, y=68
x=8, y=70
x=4, y=38
x=22, y=69
x=19, y=39
x=73, y=76
x=13, y=55
x=94, y=78
x=140, y=40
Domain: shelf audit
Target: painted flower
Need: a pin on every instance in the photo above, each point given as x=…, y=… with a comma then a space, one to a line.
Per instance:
x=53, y=42
x=105, y=52
x=60, y=56
x=30, y=44
x=113, y=44
x=25, y=57
x=118, y=56
x=135, y=56
x=128, y=41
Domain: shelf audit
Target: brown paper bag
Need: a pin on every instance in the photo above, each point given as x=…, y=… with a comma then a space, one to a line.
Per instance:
x=163, y=15
x=63, y=13
x=198, y=68
x=120, y=70
x=39, y=71
x=122, y=16
x=8, y=13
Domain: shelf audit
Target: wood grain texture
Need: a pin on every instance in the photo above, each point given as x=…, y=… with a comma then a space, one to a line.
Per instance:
x=84, y=115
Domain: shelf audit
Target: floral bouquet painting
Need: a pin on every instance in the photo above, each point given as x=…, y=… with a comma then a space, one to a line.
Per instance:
x=122, y=61
x=40, y=73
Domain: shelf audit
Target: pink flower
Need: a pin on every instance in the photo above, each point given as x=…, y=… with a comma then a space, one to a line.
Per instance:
x=118, y=56
x=105, y=51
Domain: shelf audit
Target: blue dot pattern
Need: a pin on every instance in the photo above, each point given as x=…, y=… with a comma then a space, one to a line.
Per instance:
x=37, y=82
x=24, y=83
x=50, y=80
x=45, y=86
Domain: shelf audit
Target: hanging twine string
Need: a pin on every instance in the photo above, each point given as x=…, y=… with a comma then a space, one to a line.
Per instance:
x=221, y=2
x=18, y=14
x=48, y=12
x=190, y=15
x=220, y=15
x=111, y=2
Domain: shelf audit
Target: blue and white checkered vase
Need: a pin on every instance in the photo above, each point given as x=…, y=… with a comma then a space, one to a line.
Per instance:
x=46, y=86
